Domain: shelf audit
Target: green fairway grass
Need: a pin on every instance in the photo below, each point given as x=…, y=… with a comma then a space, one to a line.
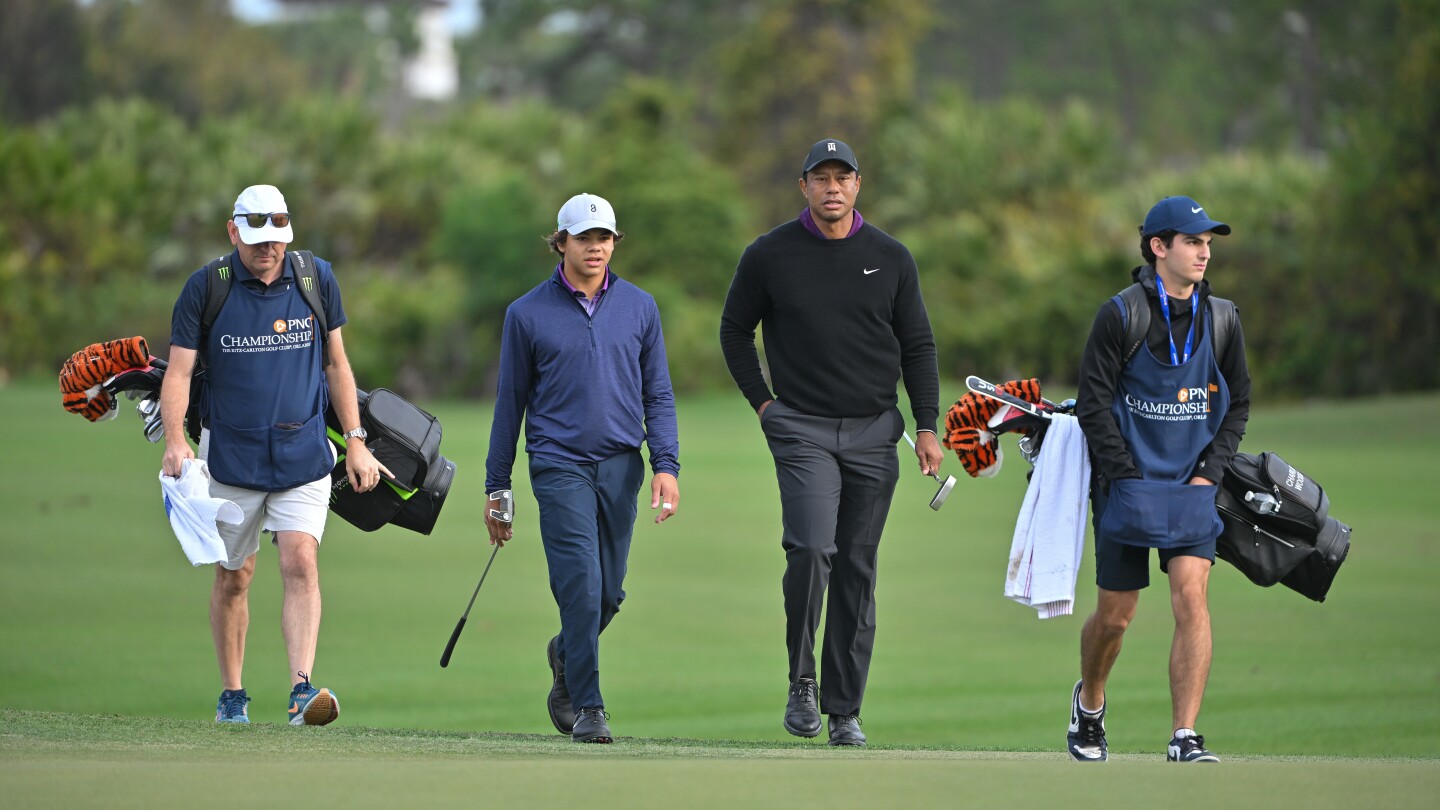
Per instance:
x=104, y=616
x=61, y=760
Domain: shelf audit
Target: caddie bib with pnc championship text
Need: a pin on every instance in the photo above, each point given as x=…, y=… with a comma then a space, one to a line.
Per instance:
x=1168, y=414
x=265, y=394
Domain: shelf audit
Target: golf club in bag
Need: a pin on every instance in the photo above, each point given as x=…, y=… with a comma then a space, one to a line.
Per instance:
x=505, y=514
x=945, y=485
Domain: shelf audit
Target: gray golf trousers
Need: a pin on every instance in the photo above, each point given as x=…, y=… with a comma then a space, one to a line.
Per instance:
x=837, y=477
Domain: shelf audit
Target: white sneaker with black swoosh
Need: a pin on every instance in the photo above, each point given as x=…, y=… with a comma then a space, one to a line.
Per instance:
x=1086, y=740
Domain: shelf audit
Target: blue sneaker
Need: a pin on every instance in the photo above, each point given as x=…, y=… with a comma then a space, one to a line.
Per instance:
x=1189, y=749
x=310, y=706
x=1086, y=740
x=231, y=707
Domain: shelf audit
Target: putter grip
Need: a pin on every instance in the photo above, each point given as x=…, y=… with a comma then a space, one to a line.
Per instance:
x=450, y=647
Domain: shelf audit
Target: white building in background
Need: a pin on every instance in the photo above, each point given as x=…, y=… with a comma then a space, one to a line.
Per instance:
x=432, y=73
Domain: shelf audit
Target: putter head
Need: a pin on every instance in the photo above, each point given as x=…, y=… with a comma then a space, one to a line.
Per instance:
x=506, y=499
x=939, y=499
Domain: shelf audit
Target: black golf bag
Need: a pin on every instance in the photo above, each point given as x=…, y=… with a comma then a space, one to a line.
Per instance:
x=1278, y=527
x=406, y=440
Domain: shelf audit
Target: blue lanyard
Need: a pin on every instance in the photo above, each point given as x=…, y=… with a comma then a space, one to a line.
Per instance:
x=1169, y=333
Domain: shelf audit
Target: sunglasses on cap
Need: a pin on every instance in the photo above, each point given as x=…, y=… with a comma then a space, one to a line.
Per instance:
x=258, y=220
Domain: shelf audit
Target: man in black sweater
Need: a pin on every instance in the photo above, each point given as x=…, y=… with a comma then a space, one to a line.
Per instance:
x=839, y=304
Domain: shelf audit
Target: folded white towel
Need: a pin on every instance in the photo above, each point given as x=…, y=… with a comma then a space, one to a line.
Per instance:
x=1049, y=536
x=193, y=512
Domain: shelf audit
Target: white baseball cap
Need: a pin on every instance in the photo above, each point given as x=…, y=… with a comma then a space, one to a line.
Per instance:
x=585, y=211
x=262, y=200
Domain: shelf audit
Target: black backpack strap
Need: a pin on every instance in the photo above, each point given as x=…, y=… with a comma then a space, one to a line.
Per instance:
x=303, y=263
x=1135, y=311
x=218, y=278
x=1223, y=317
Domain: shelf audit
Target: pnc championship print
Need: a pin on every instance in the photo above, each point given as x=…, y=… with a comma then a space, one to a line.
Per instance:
x=1190, y=404
x=292, y=333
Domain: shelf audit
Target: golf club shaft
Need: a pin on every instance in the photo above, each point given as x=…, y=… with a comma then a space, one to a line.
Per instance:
x=460, y=625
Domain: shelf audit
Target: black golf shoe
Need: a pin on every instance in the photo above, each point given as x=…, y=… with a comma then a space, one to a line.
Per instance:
x=562, y=714
x=590, y=726
x=802, y=711
x=845, y=730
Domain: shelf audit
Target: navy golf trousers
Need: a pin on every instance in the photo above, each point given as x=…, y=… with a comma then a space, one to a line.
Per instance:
x=587, y=515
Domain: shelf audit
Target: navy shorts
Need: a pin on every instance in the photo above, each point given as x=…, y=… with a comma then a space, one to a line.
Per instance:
x=1123, y=567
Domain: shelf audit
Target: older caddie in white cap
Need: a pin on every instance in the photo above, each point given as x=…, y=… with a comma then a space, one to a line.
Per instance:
x=262, y=216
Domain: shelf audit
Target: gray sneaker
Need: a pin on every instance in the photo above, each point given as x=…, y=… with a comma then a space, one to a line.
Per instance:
x=845, y=730
x=802, y=711
x=562, y=714
x=590, y=726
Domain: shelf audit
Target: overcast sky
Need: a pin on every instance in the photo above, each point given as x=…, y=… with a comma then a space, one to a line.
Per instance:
x=464, y=14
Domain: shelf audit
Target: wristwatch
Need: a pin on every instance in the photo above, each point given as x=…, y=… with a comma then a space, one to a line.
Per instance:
x=358, y=433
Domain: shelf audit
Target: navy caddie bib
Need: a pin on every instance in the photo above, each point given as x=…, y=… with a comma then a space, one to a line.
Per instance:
x=266, y=394
x=1168, y=415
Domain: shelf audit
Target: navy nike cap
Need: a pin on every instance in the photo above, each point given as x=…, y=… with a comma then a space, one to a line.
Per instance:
x=1180, y=214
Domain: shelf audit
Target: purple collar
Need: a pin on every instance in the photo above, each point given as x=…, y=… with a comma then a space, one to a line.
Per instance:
x=604, y=285
x=809, y=222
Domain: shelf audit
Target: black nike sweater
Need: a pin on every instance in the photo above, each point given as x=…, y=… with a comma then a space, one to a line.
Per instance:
x=842, y=321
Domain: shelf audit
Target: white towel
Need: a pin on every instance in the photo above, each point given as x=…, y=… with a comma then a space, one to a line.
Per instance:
x=193, y=512
x=1050, y=532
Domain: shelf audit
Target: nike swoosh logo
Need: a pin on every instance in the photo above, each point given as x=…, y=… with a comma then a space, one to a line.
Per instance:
x=868, y=272
x=1196, y=210
x=294, y=707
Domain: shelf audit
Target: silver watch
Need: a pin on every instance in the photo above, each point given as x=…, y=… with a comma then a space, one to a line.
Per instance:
x=358, y=433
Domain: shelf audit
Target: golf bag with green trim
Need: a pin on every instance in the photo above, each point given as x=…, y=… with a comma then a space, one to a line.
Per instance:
x=406, y=439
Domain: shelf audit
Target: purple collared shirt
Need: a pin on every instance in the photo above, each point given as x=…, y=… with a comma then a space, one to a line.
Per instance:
x=587, y=303
x=809, y=222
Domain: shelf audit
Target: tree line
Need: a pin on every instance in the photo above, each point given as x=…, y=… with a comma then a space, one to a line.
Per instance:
x=1016, y=163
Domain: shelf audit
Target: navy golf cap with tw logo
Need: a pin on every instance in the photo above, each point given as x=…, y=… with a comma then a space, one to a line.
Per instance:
x=830, y=149
x=1180, y=214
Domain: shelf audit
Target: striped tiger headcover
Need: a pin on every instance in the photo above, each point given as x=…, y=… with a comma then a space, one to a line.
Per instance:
x=966, y=427
x=83, y=375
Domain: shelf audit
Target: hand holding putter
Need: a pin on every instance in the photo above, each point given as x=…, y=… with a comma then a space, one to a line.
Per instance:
x=945, y=486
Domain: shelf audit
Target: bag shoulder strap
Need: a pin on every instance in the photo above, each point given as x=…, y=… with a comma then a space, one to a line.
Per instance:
x=1223, y=317
x=303, y=263
x=1135, y=313
x=218, y=278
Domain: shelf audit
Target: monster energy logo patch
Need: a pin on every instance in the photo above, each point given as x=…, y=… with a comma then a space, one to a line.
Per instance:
x=308, y=283
x=225, y=272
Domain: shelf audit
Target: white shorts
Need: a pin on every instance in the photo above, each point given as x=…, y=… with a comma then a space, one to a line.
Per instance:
x=301, y=509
